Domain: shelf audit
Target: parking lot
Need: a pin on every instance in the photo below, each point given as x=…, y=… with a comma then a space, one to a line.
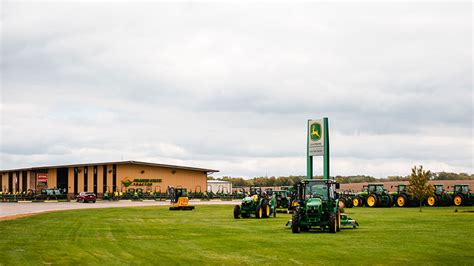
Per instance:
x=14, y=209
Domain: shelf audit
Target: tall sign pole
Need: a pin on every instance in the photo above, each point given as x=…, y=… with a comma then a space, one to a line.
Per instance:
x=317, y=145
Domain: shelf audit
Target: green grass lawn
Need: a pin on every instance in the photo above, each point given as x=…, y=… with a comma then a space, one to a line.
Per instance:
x=210, y=235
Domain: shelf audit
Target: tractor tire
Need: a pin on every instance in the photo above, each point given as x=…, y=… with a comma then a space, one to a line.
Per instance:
x=372, y=201
x=295, y=223
x=349, y=203
x=432, y=201
x=258, y=212
x=458, y=200
x=338, y=220
x=447, y=201
x=401, y=201
x=266, y=211
x=236, y=212
x=332, y=223
x=356, y=202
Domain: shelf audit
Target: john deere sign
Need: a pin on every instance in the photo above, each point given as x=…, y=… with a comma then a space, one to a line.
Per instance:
x=135, y=182
x=316, y=137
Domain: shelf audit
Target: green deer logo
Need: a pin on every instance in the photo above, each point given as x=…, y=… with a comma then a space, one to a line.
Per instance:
x=315, y=132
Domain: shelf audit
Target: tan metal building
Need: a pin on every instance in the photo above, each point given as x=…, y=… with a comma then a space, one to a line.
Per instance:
x=101, y=177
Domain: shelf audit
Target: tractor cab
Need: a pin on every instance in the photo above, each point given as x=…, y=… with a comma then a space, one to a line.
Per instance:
x=464, y=189
x=255, y=191
x=282, y=199
x=402, y=188
x=438, y=189
x=377, y=188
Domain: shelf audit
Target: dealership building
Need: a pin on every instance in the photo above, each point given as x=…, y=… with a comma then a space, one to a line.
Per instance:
x=102, y=177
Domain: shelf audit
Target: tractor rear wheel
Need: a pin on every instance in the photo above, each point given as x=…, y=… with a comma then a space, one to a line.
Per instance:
x=266, y=211
x=332, y=223
x=258, y=212
x=236, y=212
x=372, y=201
x=295, y=222
x=458, y=200
x=431, y=201
x=401, y=201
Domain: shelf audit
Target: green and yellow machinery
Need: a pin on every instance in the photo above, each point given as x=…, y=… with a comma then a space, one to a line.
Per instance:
x=346, y=198
x=282, y=200
x=378, y=196
x=440, y=197
x=373, y=195
x=179, y=199
x=318, y=207
x=462, y=195
x=257, y=204
x=359, y=199
x=402, y=198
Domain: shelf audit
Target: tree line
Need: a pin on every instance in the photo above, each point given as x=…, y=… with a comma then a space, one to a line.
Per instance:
x=272, y=181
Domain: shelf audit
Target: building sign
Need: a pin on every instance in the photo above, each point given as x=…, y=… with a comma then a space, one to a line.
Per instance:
x=42, y=179
x=139, y=182
x=315, y=137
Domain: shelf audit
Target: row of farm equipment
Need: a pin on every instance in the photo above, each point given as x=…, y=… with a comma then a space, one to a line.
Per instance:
x=31, y=195
x=376, y=195
x=314, y=204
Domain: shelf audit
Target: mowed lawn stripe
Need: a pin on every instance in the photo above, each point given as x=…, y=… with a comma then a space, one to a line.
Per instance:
x=210, y=235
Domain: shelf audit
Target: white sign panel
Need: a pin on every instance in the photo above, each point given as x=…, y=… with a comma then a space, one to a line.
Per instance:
x=316, y=137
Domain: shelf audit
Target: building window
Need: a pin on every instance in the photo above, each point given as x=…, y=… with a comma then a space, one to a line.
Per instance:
x=85, y=178
x=114, y=177
x=76, y=177
x=104, y=176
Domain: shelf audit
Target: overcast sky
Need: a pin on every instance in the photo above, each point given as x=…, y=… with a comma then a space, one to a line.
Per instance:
x=231, y=86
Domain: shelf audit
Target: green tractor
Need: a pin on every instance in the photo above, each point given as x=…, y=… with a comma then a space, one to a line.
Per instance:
x=346, y=198
x=402, y=198
x=359, y=199
x=462, y=195
x=282, y=200
x=318, y=206
x=257, y=204
x=378, y=196
x=440, y=197
x=373, y=195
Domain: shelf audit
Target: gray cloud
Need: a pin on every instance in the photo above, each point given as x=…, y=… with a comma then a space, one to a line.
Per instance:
x=230, y=86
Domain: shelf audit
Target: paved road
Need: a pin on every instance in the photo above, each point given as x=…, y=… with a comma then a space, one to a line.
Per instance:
x=14, y=209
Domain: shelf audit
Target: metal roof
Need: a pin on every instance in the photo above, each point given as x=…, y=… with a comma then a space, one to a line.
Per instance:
x=119, y=162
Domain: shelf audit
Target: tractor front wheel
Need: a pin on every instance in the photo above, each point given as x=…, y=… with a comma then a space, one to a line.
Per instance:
x=332, y=223
x=236, y=212
x=458, y=200
x=356, y=202
x=295, y=222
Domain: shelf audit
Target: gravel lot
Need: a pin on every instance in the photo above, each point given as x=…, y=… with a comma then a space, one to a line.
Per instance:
x=14, y=209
